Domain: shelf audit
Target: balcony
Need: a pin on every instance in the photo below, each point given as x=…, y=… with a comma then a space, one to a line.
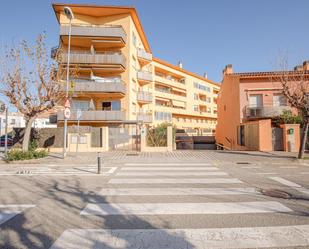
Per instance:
x=144, y=97
x=94, y=116
x=143, y=56
x=264, y=111
x=108, y=61
x=93, y=86
x=97, y=35
x=144, y=117
x=144, y=77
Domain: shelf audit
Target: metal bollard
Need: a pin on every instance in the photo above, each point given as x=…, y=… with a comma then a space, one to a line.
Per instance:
x=99, y=163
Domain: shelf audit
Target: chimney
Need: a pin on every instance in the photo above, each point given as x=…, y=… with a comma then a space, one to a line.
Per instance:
x=298, y=68
x=205, y=75
x=180, y=64
x=306, y=66
x=228, y=69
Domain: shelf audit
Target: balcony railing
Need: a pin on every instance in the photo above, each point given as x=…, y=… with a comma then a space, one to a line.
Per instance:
x=95, y=31
x=144, y=76
x=141, y=53
x=98, y=58
x=87, y=85
x=264, y=111
x=144, y=96
x=144, y=117
x=94, y=116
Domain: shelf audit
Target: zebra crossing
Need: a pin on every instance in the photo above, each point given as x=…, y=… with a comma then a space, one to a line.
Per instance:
x=145, y=191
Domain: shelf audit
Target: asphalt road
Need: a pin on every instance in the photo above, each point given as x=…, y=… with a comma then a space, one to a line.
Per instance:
x=156, y=203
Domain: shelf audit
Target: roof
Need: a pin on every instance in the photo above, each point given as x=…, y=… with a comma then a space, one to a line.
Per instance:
x=267, y=74
x=185, y=71
x=97, y=11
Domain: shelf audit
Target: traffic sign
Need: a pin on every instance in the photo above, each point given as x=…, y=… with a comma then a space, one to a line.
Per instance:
x=67, y=113
x=67, y=104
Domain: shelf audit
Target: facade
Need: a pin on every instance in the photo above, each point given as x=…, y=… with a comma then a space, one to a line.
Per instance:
x=119, y=81
x=247, y=106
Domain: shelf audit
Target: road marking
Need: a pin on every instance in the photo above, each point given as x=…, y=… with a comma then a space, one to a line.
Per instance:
x=293, y=185
x=266, y=173
x=166, y=164
x=251, y=167
x=224, y=238
x=285, y=182
x=183, y=208
x=169, y=180
x=171, y=168
x=9, y=211
x=166, y=173
x=288, y=167
x=177, y=191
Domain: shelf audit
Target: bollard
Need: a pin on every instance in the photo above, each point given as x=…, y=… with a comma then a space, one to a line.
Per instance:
x=99, y=163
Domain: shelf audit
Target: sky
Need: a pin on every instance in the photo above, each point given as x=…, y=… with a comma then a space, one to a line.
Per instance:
x=205, y=35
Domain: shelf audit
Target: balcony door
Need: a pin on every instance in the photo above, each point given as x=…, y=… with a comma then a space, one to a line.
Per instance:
x=279, y=100
x=256, y=100
x=111, y=106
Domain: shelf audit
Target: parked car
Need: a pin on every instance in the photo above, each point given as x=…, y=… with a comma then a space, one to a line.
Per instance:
x=2, y=141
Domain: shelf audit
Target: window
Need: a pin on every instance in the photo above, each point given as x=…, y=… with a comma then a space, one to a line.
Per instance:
x=201, y=87
x=195, y=96
x=82, y=105
x=241, y=135
x=256, y=100
x=111, y=106
x=279, y=100
x=195, y=107
x=13, y=121
x=208, y=99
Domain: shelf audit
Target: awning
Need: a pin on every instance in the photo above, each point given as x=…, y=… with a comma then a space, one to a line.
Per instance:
x=179, y=103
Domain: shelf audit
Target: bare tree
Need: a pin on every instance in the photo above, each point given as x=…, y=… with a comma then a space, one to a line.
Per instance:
x=295, y=88
x=30, y=81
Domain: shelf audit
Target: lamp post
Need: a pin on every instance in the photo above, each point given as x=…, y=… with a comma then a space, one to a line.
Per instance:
x=69, y=14
x=4, y=108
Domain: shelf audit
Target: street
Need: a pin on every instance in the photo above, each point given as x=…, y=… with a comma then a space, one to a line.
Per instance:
x=184, y=199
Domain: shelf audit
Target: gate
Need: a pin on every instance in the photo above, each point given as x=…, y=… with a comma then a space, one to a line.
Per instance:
x=124, y=137
x=277, y=138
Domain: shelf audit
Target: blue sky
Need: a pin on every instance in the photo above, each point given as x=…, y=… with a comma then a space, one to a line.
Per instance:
x=205, y=35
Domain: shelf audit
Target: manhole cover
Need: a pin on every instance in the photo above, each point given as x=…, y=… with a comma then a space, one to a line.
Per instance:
x=276, y=193
x=242, y=163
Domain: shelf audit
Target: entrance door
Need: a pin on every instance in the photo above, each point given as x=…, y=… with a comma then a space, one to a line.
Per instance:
x=277, y=139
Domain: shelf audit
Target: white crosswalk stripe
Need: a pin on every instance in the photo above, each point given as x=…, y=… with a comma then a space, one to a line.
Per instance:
x=170, y=168
x=173, y=180
x=167, y=173
x=9, y=211
x=244, y=237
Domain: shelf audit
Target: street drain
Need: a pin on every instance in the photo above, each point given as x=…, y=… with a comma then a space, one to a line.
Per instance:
x=242, y=163
x=276, y=193
x=23, y=172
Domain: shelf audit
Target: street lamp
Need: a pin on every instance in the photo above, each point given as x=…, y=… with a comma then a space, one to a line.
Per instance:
x=69, y=14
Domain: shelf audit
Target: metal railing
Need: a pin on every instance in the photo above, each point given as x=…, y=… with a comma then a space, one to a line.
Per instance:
x=144, y=96
x=88, y=85
x=265, y=111
x=144, y=75
x=97, y=115
x=141, y=53
x=95, y=30
x=144, y=117
x=81, y=57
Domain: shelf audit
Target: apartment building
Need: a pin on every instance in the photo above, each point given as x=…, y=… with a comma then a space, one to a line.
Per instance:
x=248, y=105
x=119, y=80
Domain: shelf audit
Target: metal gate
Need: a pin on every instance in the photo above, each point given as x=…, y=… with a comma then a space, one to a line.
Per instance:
x=124, y=137
x=277, y=138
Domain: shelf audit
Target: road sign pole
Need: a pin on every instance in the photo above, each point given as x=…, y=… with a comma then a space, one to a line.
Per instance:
x=77, y=142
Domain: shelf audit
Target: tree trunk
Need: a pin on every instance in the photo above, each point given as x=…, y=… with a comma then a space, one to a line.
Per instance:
x=27, y=134
x=303, y=140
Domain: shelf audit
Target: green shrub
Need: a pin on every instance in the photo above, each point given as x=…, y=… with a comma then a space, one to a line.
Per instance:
x=17, y=155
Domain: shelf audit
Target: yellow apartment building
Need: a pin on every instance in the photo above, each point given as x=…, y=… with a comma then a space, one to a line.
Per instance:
x=120, y=81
